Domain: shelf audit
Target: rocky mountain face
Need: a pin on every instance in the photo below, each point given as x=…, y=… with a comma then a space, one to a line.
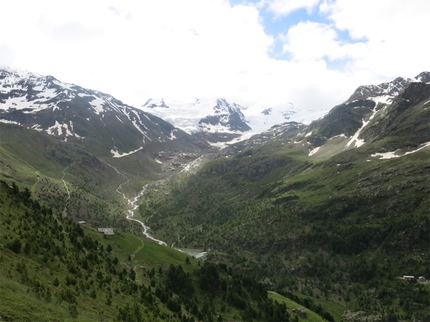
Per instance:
x=369, y=108
x=226, y=116
x=212, y=120
x=388, y=91
x=107, y=126
x=94, y=119
x=395, y=109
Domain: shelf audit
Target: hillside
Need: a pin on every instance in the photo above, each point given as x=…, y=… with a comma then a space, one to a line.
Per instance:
x=96, y=121
x=55, y=269
x=335, y=213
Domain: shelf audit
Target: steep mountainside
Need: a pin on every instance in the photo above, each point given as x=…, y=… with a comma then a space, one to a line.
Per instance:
x=398, y=126
x=98, y=121
x=74, y=146
x=369, y=119
x=337, y=210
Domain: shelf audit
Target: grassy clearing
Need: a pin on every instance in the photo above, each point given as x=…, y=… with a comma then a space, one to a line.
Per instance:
x=146, y=253
x=311, y=316
x=335, y=309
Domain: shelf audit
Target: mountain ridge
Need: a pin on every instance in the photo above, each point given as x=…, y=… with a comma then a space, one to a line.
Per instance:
x=386, y=92
x=97, y=120
x=26, y=97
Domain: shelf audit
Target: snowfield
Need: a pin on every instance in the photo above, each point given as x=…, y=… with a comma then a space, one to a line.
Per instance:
x=187, y=115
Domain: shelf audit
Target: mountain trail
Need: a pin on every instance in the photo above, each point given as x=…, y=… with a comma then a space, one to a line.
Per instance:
x=33, y=188
x=67, y=189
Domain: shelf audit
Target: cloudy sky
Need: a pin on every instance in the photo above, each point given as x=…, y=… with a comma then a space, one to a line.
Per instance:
x=313, y=53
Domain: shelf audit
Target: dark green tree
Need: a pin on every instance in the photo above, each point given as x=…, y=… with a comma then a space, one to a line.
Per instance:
x=15, y=246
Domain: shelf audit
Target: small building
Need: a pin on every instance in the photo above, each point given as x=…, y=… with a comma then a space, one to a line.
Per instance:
x=422, y=279
x=408, y=277
x=81, y=222
x=106, y=231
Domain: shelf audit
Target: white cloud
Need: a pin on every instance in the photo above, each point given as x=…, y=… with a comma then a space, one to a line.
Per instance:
x=6, y=55
x=285, y=7
x=381, y=20
x=68, y=32
x=315, y=41
x=394, y=32
x=209, y=48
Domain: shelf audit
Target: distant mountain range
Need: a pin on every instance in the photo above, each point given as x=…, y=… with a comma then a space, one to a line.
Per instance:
x=220, y=115
x=370, y=114
x=93, y=118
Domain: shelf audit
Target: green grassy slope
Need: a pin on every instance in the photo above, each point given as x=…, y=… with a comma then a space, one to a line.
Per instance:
x=292, y=305
x=53, y=269
x=67, y=178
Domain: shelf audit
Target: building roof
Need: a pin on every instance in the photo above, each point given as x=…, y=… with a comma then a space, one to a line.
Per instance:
x=106, y=231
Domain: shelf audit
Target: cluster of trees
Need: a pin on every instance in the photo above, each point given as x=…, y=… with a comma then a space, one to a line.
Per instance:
x=78, y=271
x=272, y=228
x=217, y=282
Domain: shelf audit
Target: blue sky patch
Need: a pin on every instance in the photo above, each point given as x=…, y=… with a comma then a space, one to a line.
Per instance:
x=279, y=25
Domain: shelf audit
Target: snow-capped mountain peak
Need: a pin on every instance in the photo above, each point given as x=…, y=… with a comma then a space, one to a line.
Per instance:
x=68, y=111
x=423, y=77
x=199, y=114
x=226, y=118
x=151, y=103
x=220, y=115
x=386, y=92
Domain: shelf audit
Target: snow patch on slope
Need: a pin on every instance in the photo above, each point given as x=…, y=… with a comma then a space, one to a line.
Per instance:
x=311, y=153
x=97, y=104
x=60, y=129
x=116, y=154
x=360, y=142
x=397, y=153
x=9, y=122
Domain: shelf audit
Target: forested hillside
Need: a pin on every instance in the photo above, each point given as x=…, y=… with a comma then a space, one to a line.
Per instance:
x=343, y=230
x=55, y=269
x=337, y=211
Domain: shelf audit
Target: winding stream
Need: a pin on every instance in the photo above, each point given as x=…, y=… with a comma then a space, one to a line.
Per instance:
x=132, y=202
x=133, y=206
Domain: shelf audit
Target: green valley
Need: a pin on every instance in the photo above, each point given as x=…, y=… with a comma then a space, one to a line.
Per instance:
x=53, y=269
x=322, y=222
